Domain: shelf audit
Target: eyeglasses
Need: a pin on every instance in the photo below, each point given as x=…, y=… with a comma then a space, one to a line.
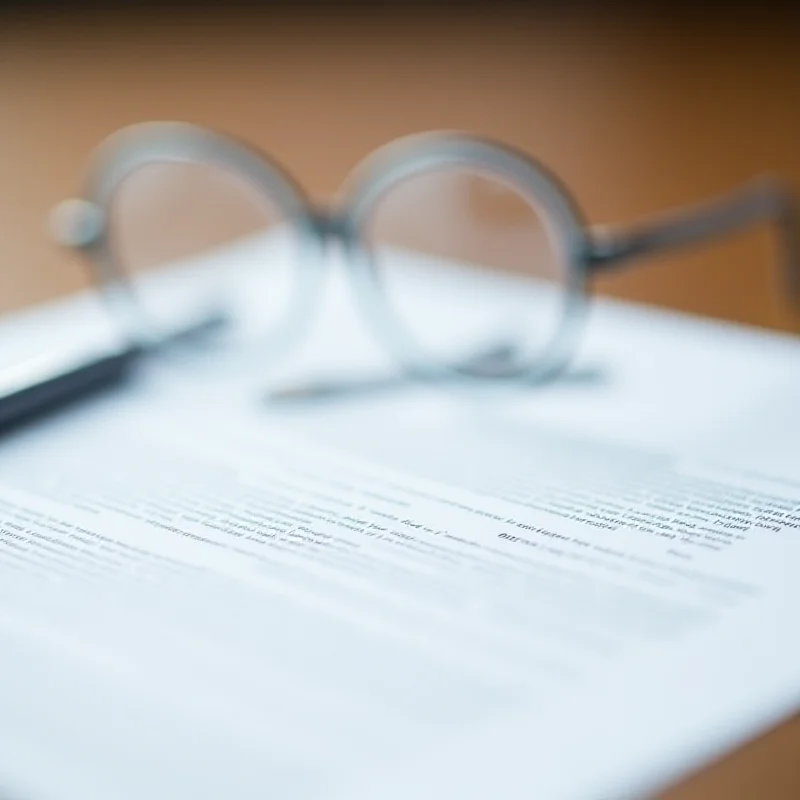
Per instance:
x=468, y=257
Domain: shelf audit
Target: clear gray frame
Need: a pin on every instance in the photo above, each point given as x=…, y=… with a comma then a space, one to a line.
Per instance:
x=588, y=250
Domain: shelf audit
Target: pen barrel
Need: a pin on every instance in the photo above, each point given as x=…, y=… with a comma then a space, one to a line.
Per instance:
x=31, y=389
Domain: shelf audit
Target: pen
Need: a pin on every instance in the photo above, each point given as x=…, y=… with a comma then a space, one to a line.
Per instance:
x=54, y=379
x=45, y=382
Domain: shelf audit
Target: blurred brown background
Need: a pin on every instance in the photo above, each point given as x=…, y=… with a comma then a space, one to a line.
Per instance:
x=637, y=110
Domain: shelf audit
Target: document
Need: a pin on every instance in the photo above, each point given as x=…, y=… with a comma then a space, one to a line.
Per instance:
x=249, y=616
x=582, y=592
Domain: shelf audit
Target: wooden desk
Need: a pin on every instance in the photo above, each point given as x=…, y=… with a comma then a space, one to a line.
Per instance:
x=636, y=113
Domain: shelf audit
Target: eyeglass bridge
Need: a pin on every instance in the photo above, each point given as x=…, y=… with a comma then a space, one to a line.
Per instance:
x=331, y=225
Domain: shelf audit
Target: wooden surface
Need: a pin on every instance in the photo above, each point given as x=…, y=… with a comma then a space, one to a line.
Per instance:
x=636, y=114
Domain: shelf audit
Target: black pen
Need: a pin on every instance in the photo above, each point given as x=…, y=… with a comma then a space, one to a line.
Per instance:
x=52, y=380
x=55, y=379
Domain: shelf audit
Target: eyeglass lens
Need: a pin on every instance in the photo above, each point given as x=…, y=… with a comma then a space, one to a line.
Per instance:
x=451, y=247
x=167, y=217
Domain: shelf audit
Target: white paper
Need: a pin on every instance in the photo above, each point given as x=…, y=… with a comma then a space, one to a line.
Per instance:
x=580, y=591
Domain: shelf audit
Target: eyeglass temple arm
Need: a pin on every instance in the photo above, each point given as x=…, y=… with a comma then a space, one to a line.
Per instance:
x=764, y=200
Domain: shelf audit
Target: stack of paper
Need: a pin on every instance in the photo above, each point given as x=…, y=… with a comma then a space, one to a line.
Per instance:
x=582, y=590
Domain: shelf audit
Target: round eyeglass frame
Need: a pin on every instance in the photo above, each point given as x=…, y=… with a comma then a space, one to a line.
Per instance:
x=144, y=144
x=586, y=250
